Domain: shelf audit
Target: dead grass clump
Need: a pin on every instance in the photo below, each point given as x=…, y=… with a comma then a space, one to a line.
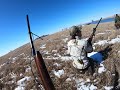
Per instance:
x=100, y=37
x=100, y=81
x=19, y=69
x=62, y=84
x=30, y=84
x=53, y=45
x=67, y=86
x=110, y=76
x=112, y=64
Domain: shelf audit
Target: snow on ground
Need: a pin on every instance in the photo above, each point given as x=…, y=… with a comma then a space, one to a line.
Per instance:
x=112, y=41
x=108, y=87
x=28, y=58
x=95, y=55
x=51, y=57
x=58, y=73
x=81, y=84
x=100, y=33
x=21, y=83
x=43, y=46
x=28, y=69
x=66, y=58
x=101, y=68
x=2, y=65
x=65, y=40
x=54, y=51
x=87, y=80
x=22, y=54
x=45, y=52
x=115, y=40
x=101, y=42
x=68, y=79
x=14, y=58
x=56, y=64
x=13, y=75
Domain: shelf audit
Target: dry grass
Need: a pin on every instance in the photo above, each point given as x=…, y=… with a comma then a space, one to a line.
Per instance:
x=55, y=42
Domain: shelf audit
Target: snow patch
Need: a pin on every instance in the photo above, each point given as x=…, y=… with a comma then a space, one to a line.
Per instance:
x=51, y=57
x=2, y=65
x=54, y=51
x=101, y=42
x=87, y=80
x=108, y=87
x=56, y=64
x=13, y=75
x=66, y=58
x=65, y=40
x=68, y=79
x=21, y=83
x=87, y=87
x=14, y=58
x=101, y=68
x=100, y=33
x=22, y=54
x=81, y=84
x=112, y=41
x=43, y=46
x=28, y=69
x=118, y=51
x=116, y=40
x=58, y=73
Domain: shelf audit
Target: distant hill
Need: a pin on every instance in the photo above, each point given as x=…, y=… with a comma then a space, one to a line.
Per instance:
x=107, y=19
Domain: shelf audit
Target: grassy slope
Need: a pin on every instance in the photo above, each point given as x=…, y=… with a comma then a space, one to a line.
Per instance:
x=55, y=42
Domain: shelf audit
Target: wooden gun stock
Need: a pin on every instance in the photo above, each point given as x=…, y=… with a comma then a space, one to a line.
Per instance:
x=42, y=70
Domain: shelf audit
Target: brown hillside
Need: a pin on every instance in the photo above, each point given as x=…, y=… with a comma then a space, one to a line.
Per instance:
x=52, y=48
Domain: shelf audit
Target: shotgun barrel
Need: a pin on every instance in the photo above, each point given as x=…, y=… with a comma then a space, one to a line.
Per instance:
x=40, y=64
x=93, y=33
x=31, y=41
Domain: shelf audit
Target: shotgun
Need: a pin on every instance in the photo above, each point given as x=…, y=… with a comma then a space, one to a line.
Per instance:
x=40, y=64
x=93, y=33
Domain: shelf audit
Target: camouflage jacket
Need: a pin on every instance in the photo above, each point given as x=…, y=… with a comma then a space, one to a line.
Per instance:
x=117, y=19
x=78, y=49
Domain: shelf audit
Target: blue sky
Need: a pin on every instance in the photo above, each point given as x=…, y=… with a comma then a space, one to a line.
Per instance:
x=47, y=17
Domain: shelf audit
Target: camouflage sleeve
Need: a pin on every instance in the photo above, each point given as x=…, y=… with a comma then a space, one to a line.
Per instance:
x=88, y=48
x=117, y=19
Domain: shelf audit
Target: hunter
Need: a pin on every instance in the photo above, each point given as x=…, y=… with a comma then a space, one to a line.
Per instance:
x=117, y=21
x=78, y=49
